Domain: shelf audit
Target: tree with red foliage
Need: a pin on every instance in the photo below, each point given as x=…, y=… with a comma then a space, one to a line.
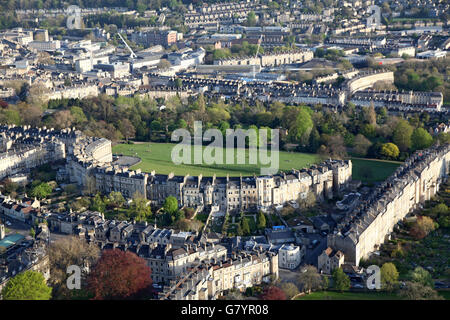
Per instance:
x=273, y=293
x=120, y=275
x=422, y=227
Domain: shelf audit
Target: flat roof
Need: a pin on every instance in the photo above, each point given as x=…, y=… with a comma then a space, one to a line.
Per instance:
x=11, y=240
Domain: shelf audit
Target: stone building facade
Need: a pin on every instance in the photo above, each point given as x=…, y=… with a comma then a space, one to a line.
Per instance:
x=368, y=225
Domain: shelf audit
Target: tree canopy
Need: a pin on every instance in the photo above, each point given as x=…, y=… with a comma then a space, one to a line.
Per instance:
x=29, y=285
x=119, y=275
x=340, y=280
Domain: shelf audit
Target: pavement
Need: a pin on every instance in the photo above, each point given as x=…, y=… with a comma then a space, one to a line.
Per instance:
x=24, y=228
x=126, y=161
x=312, y=254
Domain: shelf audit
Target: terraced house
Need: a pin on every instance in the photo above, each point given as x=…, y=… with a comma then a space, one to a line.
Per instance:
x=414, y=182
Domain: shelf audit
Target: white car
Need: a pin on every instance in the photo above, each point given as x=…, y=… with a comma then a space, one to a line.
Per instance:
x=8, y=223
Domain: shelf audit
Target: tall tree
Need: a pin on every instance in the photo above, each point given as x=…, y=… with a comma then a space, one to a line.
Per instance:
x=402, y=135
x=422, y=227
x=64, y=253
x=309, y=279
x=417, y=291
x=29, y=285
x=119, y=275
x=361, y=145
x=170, y=205
x=127, y=129
x=245, y=226
x=422, y=276
x=389, y=276
x=303, y=125
x=340, y=280
x=389, y=151
x=139, y=208
x=421, y=139
x=261, y=220
x=273, y=293
x=289, y=289
x=42, y=190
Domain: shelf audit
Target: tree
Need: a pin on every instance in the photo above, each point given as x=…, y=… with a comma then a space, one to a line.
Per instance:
x=325, y=283
x=261, y=220
x=389, y=276
x=389, y=151
x=290, y=290
x=402, y=135
x=170, y=205
x=116, y=199
x=42, y=190
x=245, y=226
x=421, y=139
x=341, y=280
x=303, y=125
x=98, y=204
x=29, y=285
x=443, y=137
x=10, y=186
x=90, y=185
x=361, y=145
x=251, y=19
x=309, y=279
x=32, y=232
x=189, y=212
x=139, y=208
x=422, y=227
x=370, y=115
x=422, y=276
x=334, y=147
x=273, y=293
x=119, y=275
x=127, y=129
x=417, y=291
x=66, y=252
x=62, y=119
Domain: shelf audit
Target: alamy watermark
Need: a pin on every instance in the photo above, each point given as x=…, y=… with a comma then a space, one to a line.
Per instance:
x=374, y=277
x=74, y=279
x=258, y=151
x=74, y=17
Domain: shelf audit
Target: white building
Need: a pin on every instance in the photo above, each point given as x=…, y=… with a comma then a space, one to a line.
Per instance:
x=289, y=256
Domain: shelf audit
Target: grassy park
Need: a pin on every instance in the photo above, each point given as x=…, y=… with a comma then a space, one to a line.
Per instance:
x=348, y=295
x=372, y=170
x=358, y=295
x=157, y=156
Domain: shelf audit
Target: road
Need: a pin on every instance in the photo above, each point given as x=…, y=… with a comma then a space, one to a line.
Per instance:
x=312, y=254
x=24, y=228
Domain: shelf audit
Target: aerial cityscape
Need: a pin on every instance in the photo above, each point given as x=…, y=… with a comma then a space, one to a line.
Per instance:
x=248, y=150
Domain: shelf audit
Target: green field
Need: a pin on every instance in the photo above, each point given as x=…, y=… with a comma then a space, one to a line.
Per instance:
x=157, y=156
x=368, y=170
x=347, y=295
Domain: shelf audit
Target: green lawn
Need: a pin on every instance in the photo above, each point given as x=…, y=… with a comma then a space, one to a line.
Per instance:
x=369, y=170
x=157, y=156
x=333, y=295
x=413, y=19
x=251, y=224
x=445, y=294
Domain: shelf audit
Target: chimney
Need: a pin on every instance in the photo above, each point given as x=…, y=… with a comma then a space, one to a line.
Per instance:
x=2, y=231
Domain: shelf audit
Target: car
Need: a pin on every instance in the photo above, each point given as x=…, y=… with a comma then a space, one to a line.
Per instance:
x=357, y=286
x=8, y=223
